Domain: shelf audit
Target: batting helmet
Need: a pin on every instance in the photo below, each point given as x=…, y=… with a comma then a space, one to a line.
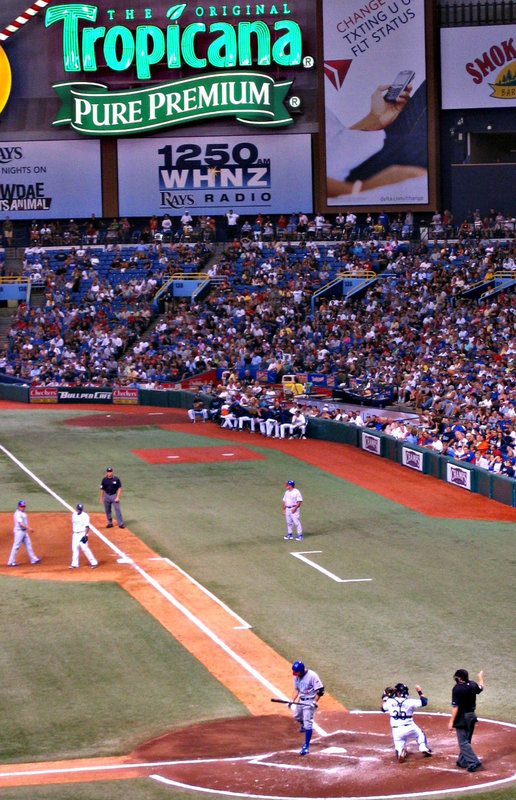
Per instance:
x=79, y=506
x=298, y=668
x=401, y=689
x=290, y=483
x=21, y=504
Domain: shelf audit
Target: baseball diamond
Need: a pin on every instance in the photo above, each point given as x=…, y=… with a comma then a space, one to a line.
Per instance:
x=256, y=755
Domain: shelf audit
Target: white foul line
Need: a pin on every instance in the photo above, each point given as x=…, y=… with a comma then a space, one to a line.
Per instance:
x=302, y=557
x=243, y=623
x=166, y=594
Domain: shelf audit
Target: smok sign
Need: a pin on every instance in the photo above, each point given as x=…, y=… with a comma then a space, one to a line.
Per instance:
x=479, y=66
x=206, y=59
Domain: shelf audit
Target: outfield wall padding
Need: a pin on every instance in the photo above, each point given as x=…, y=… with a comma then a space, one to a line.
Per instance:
x=14, y=393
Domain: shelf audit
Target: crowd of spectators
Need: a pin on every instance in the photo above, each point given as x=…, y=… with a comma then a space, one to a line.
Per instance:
x=487, y=440
x=417, y=330
x=296, y=225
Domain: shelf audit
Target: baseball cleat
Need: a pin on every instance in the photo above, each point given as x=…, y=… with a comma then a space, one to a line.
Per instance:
x=427, y=753
x=36, y=561
x=299, y=538
x=14, y=564
x=94, y=566
x=302, y=729
x=402, y=756
x=109, y=525
x=288, y=536
x=72, y=567
x=122, y=525
x=304, y=750
x=474, y=767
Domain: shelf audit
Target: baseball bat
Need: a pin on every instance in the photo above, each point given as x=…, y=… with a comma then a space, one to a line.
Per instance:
x=275, y=700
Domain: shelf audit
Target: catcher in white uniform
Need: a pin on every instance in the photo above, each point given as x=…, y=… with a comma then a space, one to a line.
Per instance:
x=292, y=500
x=308, y=688
x=80, y=531
x=401, y=707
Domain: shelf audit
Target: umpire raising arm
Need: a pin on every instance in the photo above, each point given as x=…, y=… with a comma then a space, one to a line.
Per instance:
x=110, y=489
x=463, y=717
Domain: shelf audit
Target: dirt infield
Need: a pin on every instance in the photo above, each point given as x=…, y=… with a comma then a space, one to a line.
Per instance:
x=354, y=757
x=351, y=753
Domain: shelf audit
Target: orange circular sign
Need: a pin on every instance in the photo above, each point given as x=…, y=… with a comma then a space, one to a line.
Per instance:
x=5, y=79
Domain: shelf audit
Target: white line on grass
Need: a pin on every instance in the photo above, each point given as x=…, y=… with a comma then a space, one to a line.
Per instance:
x=228, y=793
x=166, y=594
x=243, y=624
x=24, y=773
x=302, y=557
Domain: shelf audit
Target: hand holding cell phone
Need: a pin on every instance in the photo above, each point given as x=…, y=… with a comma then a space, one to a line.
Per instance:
x=399, y=84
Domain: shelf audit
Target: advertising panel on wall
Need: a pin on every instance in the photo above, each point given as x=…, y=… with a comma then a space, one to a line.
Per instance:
x=33, y=182
x=104, y=68
x=215, y=175
x=73, y=70
x=478, y=67
x=375, y=101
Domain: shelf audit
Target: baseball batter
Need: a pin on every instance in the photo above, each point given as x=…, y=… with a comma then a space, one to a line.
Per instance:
x=21, y=536
x=80, y=532
x=292, y=500
x=308, y=689
x=401, y=707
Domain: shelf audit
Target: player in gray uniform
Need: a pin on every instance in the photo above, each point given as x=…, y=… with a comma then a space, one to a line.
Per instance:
x=308, y=689
x=80, y=531
x=21, y=536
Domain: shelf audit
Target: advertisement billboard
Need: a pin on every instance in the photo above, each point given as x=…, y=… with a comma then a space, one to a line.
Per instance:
x=215, y=175
x=375, y=103
x=102, y=69
x=33, y=183
x=478, y=67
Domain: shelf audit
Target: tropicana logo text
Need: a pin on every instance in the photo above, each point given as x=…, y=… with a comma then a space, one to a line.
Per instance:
x=253, y=97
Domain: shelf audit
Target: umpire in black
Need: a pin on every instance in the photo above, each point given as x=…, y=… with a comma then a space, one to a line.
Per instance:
x=463, y=716
x=110, y=489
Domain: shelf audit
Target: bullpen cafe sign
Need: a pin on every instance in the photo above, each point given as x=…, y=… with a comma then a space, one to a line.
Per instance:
x=213, y=48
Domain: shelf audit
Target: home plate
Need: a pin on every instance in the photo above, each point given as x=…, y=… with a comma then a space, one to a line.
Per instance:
x=334, y=750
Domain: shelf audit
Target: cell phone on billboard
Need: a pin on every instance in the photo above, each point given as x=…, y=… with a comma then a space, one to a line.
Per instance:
x=399, y=84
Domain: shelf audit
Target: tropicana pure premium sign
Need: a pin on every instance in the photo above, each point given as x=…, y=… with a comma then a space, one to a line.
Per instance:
x=217, y=61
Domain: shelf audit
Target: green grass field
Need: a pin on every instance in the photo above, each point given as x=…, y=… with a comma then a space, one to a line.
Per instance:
x=85, y=670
